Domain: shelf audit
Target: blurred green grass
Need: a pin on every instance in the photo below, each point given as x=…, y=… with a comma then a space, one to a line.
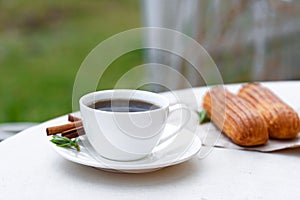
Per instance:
x=42, y=44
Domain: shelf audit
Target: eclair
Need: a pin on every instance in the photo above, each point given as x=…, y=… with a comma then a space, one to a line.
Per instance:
x=235, y=117
x=282, y=120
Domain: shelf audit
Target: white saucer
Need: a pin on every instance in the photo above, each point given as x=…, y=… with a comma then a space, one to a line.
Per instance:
x=183, y=147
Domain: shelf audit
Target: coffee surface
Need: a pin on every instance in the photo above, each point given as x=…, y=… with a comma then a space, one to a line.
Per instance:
x=123, y=105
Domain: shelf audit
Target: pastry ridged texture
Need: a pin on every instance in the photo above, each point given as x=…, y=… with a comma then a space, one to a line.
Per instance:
x=282, y=120
x=235, y=117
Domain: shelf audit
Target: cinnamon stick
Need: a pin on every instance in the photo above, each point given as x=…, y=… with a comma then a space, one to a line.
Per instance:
x=72, y=118
x=61, y=128
x=73, y=133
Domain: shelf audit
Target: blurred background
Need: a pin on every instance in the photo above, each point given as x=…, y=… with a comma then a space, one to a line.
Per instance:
x=43, y=43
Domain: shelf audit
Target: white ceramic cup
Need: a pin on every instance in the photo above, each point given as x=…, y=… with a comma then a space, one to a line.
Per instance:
x=127, y=136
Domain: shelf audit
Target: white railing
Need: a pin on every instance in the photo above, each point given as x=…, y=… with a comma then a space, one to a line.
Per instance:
x=247, y=39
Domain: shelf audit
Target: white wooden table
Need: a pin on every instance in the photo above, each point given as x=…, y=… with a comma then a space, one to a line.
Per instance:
x=31, y=169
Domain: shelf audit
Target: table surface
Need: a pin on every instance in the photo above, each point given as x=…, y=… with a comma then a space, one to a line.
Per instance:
x=31, y=169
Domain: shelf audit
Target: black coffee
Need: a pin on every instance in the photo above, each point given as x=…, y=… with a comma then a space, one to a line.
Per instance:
x=122, y=105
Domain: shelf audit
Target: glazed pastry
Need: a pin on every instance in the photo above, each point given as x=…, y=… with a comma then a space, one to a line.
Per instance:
x=235, y=117
x=282, y=120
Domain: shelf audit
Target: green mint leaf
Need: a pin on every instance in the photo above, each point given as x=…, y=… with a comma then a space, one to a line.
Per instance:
x=203, y=118
x=61, y=141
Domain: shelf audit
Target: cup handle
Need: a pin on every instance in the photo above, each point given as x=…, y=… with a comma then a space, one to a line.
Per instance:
x=173, y=109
